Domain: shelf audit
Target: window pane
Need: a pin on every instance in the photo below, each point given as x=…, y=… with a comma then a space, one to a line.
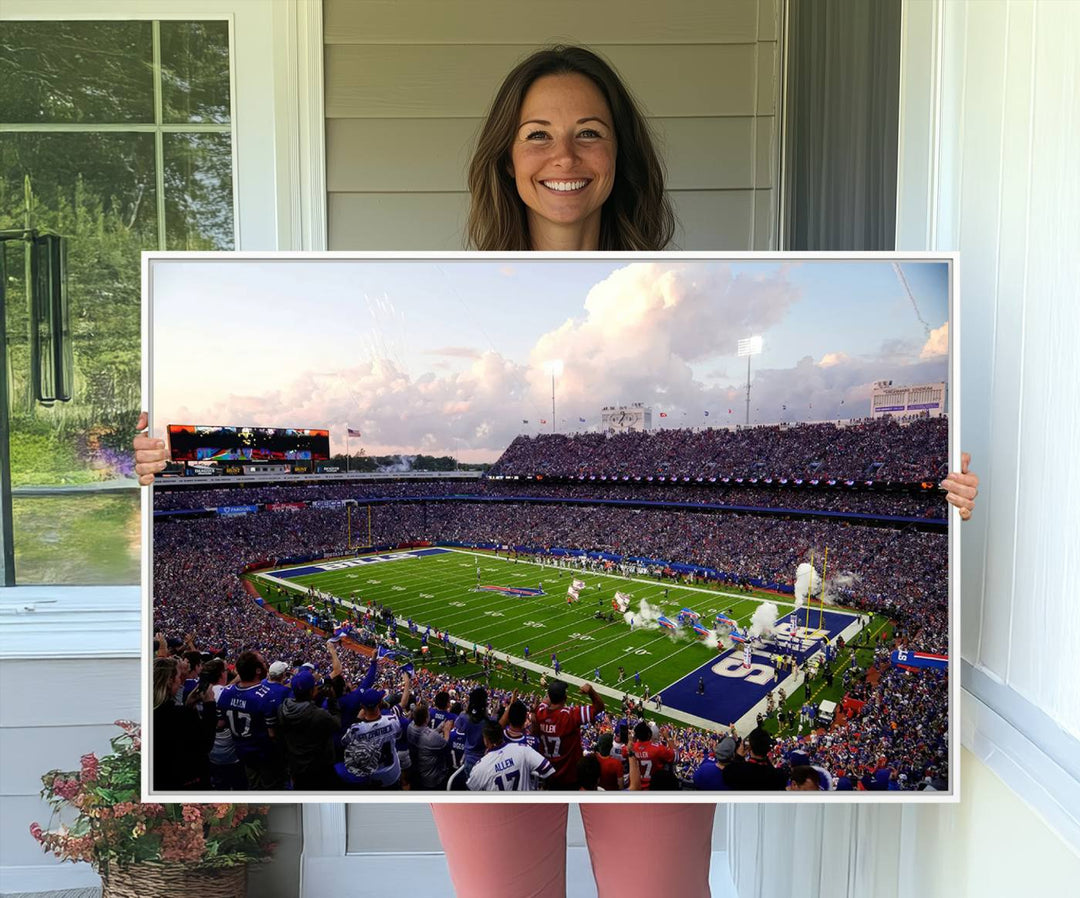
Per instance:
x=198, y=192
x=76, y=72
x=98, y=191
x=77, y=540
x=195, y=72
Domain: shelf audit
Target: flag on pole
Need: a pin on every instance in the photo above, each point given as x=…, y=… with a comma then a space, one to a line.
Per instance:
x=581, y=420
x=579, y=584
x=706, y=413
x=354, y=433
x=524, y=420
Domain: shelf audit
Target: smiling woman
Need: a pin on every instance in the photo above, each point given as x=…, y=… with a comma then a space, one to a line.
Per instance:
x=565, y=161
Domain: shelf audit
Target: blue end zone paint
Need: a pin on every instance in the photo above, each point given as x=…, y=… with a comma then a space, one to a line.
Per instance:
x=730, y=689
x=513, y=590
x=345, y=564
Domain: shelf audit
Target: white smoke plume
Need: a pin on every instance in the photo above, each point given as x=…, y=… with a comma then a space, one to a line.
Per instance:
x=404, y=463
x=764, y=619
x=645, y=616
x=807, y=582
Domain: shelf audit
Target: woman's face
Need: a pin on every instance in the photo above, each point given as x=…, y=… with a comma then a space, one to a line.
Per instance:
x=563, y=161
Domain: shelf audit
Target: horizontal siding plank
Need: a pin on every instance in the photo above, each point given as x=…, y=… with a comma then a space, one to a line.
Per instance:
x=391, y=155
x=17, y=846
x=460, y=81
x=397, y=221
x=399, y=154
x=768, y=28
x=765, y=152
x=708, y=220
x=98, y=692
x=713, y=219
x=768, y=78
x=765, y=215
x=516, y=22
x=707, y=153
x=28, y=752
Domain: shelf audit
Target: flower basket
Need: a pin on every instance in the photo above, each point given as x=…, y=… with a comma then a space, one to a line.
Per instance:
x=149, y=850
x=173, y=881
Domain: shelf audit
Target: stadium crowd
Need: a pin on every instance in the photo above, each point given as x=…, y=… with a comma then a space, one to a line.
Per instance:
x=844, y=500
x=881, y=449
x=252, y=698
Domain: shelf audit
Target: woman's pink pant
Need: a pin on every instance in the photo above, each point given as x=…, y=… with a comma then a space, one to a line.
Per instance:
x=519, y=850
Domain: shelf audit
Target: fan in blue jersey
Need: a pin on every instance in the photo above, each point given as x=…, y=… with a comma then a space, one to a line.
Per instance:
x=507, y=766
x=370, y=745
x=439, y=714
x=471, y=725
x=349, y=703
x=275, y=684
x=243, y=708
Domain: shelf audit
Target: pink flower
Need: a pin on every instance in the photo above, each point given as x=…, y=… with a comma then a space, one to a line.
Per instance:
x=36, y=832
x=89, y=767
x=65, y=788
x=192, y=814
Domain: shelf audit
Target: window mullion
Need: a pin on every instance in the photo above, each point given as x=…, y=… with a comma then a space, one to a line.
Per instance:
x=159, y=137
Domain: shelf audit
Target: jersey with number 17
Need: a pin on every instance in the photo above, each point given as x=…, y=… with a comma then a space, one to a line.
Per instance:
x=244, y=708
x=510, y=768
x=560, y=738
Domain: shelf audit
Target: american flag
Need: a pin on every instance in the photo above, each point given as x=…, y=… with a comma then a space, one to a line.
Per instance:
x=354, y=433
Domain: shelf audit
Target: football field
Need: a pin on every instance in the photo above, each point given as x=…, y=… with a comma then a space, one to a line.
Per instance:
x=702, y=684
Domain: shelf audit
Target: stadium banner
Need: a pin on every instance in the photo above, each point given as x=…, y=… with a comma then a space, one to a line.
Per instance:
x=234, y=470
x=237, y=509
x=201, y=471
x=919, y=660
x=327, y=503
x=285, y=506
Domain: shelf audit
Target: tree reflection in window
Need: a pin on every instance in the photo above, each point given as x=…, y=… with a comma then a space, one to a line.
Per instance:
x=117, y=135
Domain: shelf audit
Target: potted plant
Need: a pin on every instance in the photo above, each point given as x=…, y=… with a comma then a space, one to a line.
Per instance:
x=164, y=850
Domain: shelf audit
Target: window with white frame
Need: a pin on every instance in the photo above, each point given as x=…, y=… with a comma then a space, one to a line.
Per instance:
x=118, y=136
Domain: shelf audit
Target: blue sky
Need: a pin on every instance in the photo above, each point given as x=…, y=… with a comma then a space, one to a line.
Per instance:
x=446, y=356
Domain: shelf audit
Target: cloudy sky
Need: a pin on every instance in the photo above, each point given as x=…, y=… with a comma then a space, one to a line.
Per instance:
x=448, y=356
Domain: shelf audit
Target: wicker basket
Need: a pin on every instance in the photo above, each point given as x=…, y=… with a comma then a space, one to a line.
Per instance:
x=173, y=881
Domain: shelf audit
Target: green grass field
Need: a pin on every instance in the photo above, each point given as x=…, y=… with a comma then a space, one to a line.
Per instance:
x=440, y=590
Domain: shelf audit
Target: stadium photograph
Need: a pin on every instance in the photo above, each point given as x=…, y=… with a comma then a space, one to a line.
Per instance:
x=457, y=525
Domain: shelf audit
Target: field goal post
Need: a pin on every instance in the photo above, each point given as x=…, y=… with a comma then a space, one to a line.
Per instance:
x=351, y=504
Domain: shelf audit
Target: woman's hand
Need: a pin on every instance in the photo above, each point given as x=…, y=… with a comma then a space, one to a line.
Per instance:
x=150, y=454
x=962, y=488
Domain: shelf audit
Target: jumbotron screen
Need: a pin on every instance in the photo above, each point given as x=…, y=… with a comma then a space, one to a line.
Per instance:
x=197, y=442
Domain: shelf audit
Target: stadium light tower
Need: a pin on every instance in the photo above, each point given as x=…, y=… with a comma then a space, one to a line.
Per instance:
x=554, y=367
x=749, y=347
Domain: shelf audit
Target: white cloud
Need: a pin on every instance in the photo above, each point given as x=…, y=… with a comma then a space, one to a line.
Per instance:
x=937, y=344
x=833, y=358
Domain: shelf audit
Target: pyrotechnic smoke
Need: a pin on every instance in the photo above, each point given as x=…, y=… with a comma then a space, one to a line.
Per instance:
x=404, y=463
x=807, y=581
x=764, y=620
x=645, y=616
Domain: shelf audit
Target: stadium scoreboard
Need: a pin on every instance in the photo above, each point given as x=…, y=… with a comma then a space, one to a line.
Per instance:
x=624, y=418
x=887, y=399
x=202, y=443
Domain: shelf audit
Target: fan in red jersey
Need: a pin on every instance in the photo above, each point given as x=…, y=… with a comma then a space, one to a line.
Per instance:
x=652, y=756
x=560, y=731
